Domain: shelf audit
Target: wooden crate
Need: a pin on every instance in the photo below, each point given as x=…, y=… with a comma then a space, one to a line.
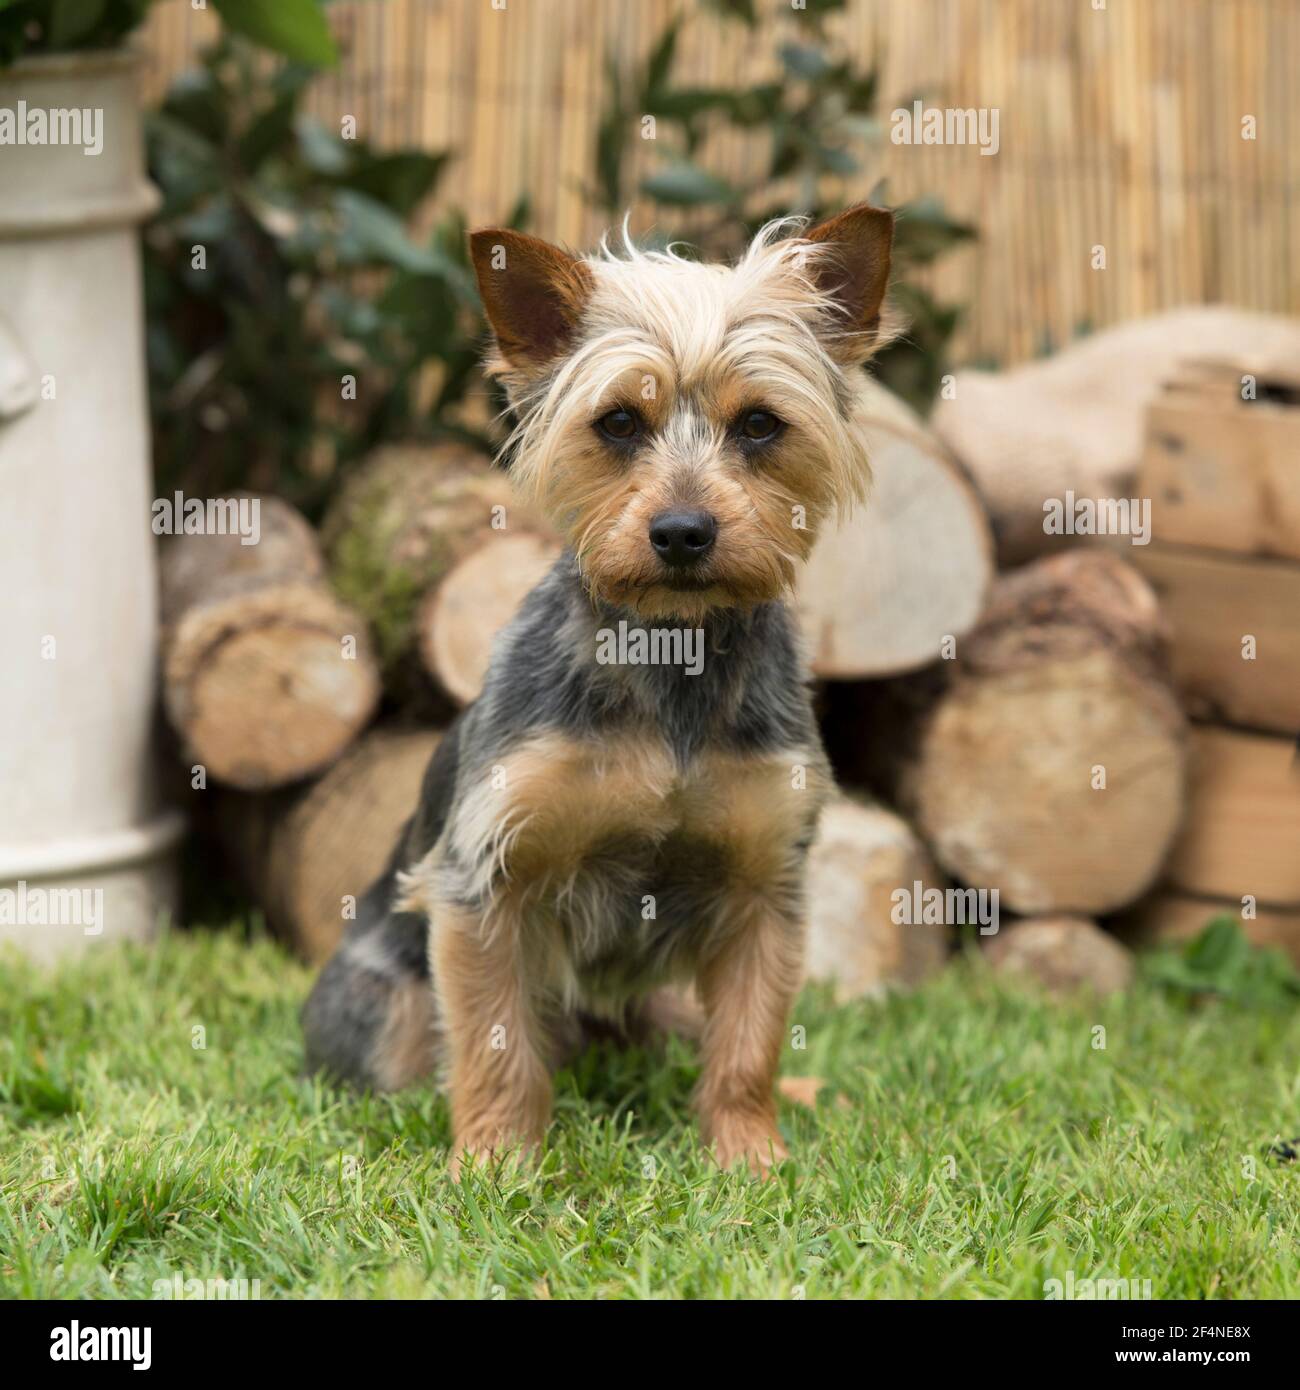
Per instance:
x=1242, y=831
x=1213, y=601
x=1223, y=472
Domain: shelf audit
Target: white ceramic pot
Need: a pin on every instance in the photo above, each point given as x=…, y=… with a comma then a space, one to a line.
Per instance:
x=86, y=845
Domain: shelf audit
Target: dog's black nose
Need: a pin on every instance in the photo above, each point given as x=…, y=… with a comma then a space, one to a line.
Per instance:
x=683, y=538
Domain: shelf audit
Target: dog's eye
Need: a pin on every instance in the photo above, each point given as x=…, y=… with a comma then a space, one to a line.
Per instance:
x=759, y=425
x=621, y=425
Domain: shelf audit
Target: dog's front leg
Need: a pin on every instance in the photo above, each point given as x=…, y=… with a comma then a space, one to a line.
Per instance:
x=747, y=984
x=499, y=1084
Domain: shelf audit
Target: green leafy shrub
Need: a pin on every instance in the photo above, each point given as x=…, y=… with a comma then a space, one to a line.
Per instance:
x=1220, y=963
x=295, y=28
x=293, y=321
x=815, y=118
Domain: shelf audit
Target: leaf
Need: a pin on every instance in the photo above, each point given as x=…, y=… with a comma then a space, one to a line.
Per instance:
x=1218, y=949
x=836, y=161
x=270, y=130
x=688, y=102
x=861, y=92
x=610, y=139
x=64, y=25
x=401, y=180
x=736, y=9
x=369, y=233
x=686, y=185
x=799, y=60
x=295, y=28
x=322, y=151
x=755, y=105
x=661, y=61
x=196, y=100
x=787, y=150
x=183, y=163
x=213, y=225
x=71, y=21
x=1221, y=962
x=862, y=127
x=924, y=232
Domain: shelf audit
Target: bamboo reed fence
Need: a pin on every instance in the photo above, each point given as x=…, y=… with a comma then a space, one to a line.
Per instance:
x=1120, y=126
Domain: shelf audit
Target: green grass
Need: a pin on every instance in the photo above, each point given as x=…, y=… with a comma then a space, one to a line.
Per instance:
x=981, y=1145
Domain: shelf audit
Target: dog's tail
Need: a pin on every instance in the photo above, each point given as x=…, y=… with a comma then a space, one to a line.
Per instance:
x=371, y=1019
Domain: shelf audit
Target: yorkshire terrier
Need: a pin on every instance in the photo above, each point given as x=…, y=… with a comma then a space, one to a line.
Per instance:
x=593, y=834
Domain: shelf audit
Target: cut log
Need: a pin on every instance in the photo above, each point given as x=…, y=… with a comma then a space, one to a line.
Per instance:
x=267, y=677
x=1224, y=472
x=1168, y=918
x=1077, y=421
x=862, y=857
x=285, y=548
x=910, y=567
x=462, y=614
x=1063, y=954
x=309, y=856
x=406, y=518
x=1242, y=836
x=1213, y=603
x=1046, y=760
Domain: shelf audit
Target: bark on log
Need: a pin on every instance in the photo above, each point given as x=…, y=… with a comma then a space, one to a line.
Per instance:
x=260, y=679
x=308, y=856
x=402, y=524
x=1046, y=760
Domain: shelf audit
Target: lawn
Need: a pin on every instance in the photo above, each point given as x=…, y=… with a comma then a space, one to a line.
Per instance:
x=972, y=1141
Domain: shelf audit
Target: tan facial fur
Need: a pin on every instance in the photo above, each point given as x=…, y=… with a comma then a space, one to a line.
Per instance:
x=691, y=348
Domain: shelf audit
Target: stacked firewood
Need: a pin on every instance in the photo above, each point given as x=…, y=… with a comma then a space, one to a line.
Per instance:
x=1018, y=734
x=306, y=676
x=1222, y=469
x=1191, y=421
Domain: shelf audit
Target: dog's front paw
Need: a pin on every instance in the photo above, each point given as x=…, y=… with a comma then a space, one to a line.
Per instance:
x=735, y=1135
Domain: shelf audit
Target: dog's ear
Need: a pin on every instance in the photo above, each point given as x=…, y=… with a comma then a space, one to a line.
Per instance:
x=533, y=293
x=853, y=271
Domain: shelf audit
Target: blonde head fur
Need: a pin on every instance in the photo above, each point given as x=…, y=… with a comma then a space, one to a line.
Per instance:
x=698, y=358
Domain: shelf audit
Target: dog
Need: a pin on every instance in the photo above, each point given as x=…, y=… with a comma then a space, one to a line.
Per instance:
x=593, y=835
